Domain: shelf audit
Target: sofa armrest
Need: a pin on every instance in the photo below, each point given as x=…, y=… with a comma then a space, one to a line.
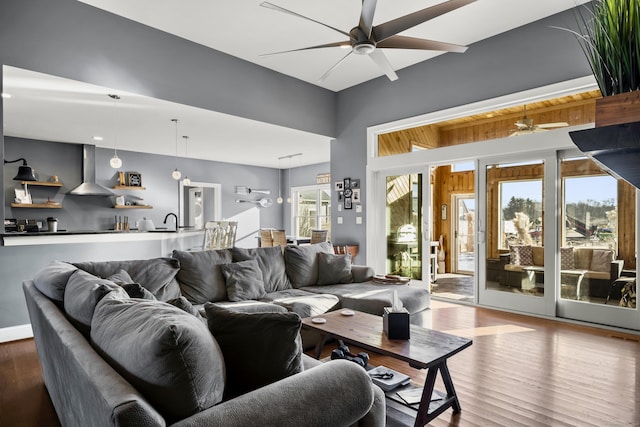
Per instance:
x=362, y=273
x=337, y=393
x=616, y=269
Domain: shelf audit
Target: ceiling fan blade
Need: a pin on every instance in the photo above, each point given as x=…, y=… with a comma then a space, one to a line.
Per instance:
x=320, y=46
x=384, y=64
x=366, y=16
x=553, y=125
x=403, y=42
x=393, y=27
x=272, y=6
x=325, y=75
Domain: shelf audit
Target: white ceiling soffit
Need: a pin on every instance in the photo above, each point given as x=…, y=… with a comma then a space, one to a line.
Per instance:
x=49, y=108
x=244, y=29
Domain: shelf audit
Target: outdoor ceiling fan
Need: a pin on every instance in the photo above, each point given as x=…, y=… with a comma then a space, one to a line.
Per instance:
x=367, y=39
x=525, y=125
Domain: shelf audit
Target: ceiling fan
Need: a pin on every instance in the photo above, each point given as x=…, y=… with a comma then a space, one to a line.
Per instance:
x=367, y=39
x=525, y=125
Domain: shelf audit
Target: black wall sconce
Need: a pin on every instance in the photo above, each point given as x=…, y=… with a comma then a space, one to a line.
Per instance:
x=25, y=173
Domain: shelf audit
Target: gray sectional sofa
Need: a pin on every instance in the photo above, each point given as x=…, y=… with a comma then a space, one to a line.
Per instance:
x=204, y=338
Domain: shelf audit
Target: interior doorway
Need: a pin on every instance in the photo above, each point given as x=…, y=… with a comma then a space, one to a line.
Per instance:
x=463, y=258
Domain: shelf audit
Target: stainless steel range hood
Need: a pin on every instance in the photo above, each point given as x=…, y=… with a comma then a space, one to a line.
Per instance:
x=89, y=186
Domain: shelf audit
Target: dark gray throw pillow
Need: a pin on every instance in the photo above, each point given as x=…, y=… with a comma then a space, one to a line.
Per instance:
x=134, y=290
x=52, y=279
x=334, y=269
x=243, y=280
x=302, y=263
x=258, y=348
x=200, y=277
x=165, y=353
x=271, y=263
x=84, y=291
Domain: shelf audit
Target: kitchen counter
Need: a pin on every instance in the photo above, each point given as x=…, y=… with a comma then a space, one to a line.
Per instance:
x=91, y=236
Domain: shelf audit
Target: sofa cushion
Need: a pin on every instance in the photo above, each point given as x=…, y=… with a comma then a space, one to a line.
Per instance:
x=567, y=260
x=333, y=269
x=157, y=275
x=134, y=290
x=371, y=297
x=84, y=291
x=271, y=263
x=303, y=303
x=52, y=279
x=165, y=353
x=601, y=260
x=302, y=263
x=521, y=255
x=200, y=277
x=243, y=280
x=258, y=348
x=537, y=255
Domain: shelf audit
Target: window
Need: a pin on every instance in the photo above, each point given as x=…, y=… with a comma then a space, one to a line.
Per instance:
x=311, y=210
x=521, y=213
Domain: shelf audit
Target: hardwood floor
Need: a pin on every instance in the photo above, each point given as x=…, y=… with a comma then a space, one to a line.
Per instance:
x=520, y=371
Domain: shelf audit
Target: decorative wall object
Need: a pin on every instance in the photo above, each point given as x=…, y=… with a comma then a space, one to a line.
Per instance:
x=348, y=192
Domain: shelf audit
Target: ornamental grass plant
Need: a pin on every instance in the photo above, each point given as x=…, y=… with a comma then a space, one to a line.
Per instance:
x=609, y=35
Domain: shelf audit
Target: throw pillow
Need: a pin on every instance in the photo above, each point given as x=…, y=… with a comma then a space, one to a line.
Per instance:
x=157, y=275
x=601, y=260
x=567, y=260
x=334, y=269
x=521, y=255
x=165, y=353
x=258, y=348
x=183, y=304
x=302, y=263
x=84, y=291
x=271, y=263
x=135, y=290
x=243, y=280
x=200, y=277
x=52, y=279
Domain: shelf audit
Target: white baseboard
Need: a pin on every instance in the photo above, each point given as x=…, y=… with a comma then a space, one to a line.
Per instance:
x=14, y=333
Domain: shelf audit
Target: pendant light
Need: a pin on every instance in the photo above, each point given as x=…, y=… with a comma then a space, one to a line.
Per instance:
x=115, y=161
x=289, y=186
x=279, y=199
x=176, y=173
x=186, y=180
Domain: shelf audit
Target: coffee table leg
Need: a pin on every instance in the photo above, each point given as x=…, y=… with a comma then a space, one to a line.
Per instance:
x=320, y=345
x=450, y=401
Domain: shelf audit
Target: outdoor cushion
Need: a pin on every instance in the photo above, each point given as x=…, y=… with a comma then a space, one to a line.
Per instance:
x=165, y=353
x=521, y=255
x=302, y=262
x=52, y=279
x=334, y=269
x=157, y=275
x=243, y=280
x=601, y=260
x=258, y=348
x=567, y=260
x=271, y=263
x=200, y=277
x=84, y=291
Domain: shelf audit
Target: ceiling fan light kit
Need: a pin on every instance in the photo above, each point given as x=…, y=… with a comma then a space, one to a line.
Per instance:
x=367, y=39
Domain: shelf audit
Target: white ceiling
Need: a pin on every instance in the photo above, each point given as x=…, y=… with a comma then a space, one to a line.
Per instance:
x=56, y=109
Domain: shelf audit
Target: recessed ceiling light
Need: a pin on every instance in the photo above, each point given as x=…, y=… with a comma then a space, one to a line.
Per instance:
x=6, y=95
x=97, y=138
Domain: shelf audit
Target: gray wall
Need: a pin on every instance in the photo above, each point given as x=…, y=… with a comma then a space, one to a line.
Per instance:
x=527, y=57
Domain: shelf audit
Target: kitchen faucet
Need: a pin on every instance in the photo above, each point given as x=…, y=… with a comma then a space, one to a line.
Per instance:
x=167, y=217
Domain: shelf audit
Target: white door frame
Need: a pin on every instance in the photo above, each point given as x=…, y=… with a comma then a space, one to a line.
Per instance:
x=455, y=201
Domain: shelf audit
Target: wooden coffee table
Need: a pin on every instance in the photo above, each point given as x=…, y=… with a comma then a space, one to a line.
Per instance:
x=427, y=349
